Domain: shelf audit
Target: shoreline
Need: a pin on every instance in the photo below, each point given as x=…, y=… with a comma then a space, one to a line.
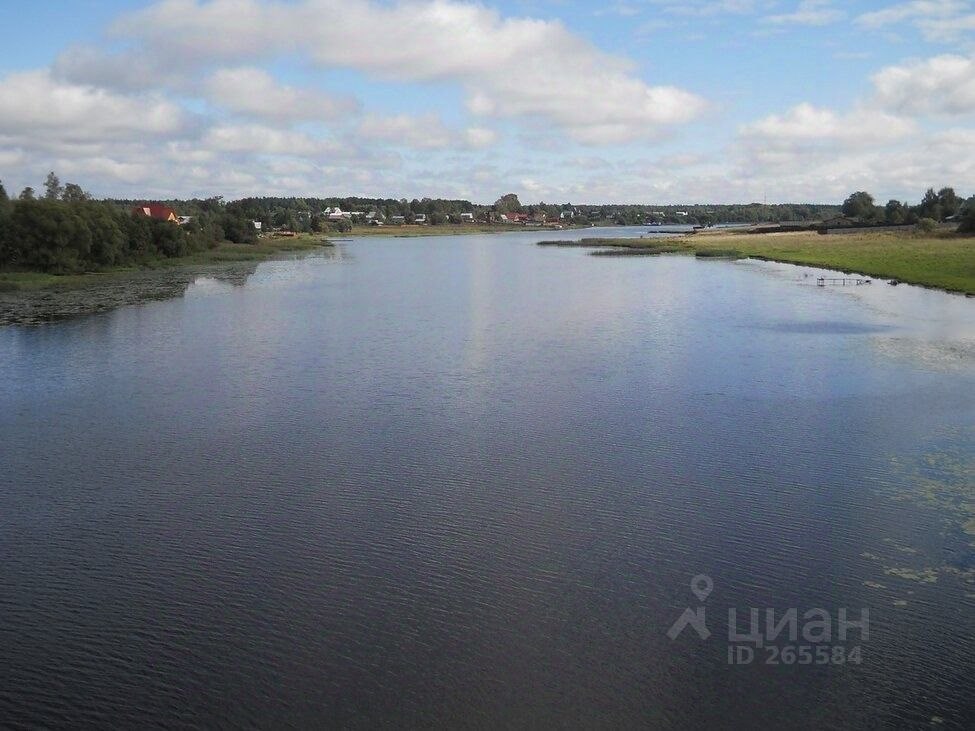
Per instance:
x=945, y=263
x=14, y=282
x=410, y=231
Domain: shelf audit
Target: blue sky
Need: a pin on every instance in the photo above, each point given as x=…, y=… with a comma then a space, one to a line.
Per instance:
x=642, y=101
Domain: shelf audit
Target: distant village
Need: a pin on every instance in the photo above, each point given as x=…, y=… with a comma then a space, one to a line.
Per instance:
x=292, y=216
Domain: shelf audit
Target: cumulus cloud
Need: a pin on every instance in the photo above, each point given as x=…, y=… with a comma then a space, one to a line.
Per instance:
x=254, y=92
x=511, y=67
x=806, y=125
x=938, y=20
x=808, y=12
x=34, y=104
x=940, y=85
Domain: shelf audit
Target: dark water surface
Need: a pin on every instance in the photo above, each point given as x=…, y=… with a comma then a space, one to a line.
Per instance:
x=465, y=482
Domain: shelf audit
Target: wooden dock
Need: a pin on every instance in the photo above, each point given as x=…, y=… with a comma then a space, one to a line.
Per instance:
x=842, y=281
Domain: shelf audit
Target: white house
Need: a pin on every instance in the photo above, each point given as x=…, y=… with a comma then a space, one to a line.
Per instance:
x=335, y=214
x=420, y=218
x=467, y=218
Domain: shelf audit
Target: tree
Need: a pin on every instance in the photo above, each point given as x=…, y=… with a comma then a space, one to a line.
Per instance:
x=52, y=187
x=859, y=205
x=930, y=206
x=74, y=194
x=949, y=202
x=968, y=217
x=508, y=203
x=3, y=193
x=895, y=212
x=27, y=194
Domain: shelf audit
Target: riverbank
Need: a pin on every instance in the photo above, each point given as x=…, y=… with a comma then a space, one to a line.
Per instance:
x=941, y=261
x=227, y=253
x=414, y=231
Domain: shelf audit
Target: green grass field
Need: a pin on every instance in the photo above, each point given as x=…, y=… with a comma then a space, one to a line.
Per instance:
x=944, y=261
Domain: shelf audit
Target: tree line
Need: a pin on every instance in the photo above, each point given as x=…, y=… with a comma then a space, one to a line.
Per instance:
x=942, y=206
x=64, y=230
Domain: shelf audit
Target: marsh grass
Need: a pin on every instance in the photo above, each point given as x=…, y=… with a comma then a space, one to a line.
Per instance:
x=16, y=281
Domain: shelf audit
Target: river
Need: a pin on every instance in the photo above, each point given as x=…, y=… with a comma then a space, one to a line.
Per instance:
x=466, y=482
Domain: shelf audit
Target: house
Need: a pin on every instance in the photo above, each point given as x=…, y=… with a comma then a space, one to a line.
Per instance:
x=335, y=214
x=258, y=225
x=467, y=218
x=397, y=220
x=156, y=211
x=183, y=220
x=420, y=218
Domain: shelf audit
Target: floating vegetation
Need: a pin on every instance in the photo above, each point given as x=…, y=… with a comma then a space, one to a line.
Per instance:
x=944, y=479
x=923, y=576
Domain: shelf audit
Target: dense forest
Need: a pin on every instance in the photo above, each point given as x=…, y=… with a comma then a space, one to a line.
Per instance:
x=64, y=230
x=935, y=207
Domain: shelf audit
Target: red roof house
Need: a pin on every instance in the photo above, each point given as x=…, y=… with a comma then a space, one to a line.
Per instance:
x=157, y=211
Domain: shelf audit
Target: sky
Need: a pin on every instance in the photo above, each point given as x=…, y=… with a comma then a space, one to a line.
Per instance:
x=636, y=101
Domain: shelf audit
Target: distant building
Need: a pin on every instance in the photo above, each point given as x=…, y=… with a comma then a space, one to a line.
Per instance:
x=335, y=214
x=257, y=225
x=397, y=220
x=156, y=211
x=467, y=218
x=420, y=218
x=183, y=220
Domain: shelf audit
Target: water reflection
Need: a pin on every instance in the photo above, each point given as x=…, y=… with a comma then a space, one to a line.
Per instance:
x=111, y=291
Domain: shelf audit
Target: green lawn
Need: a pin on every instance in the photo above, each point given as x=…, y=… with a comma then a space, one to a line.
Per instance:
x=946, y=262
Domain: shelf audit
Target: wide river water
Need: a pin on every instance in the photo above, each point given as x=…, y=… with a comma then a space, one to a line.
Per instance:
x=465, y=482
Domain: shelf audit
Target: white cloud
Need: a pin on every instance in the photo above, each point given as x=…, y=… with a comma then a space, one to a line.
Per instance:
x=260, y=139
x=808, y=12
x=422, y=132
x=709, y=8
x=477, y=137
x=254, y=92
x=943, y=21
x=940, y=85
x=806, y=125
x=34, y=105
x=511, y=67
x=425, y=131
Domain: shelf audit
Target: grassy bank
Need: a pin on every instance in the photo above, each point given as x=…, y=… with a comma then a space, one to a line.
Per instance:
x=14, y=281
x=411, y=231
x=943, y=261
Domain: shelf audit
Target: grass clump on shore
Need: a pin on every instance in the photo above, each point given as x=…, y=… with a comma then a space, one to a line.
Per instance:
x=621, y=247
x=718, y=254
